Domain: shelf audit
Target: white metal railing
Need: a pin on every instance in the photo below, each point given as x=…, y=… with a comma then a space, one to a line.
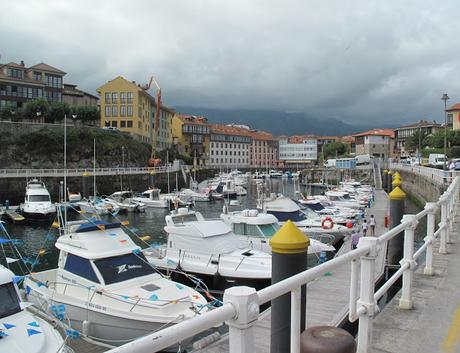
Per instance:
x=438, y=176
x=241, y=304
x=30, y=173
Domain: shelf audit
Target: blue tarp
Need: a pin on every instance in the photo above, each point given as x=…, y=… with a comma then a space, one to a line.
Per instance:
x=93, y=225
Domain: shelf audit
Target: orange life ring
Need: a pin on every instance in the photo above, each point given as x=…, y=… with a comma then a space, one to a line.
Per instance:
x=327, y=223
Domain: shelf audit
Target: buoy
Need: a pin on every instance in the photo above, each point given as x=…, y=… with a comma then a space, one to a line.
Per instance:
x=349, y=225
x=41, y=252
x=55, y=224
x=327, y=223
x=145, y=238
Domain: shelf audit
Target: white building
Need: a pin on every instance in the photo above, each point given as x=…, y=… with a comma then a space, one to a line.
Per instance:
x=229, y=147
x=298, y=151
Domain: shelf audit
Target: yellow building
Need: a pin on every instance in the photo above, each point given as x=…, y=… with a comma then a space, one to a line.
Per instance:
x=453, y=116
x=126, y=107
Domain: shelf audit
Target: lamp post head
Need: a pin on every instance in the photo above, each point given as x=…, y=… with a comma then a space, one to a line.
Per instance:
x=445, y=97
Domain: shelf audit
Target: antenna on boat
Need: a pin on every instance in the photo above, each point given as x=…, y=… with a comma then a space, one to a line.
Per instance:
x=94, y=168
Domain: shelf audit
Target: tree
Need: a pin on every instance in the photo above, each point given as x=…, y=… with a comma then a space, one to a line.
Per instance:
x=57, y=112
x=412, y=143
x=37, y=108
x=86, y=113
x=333, y=149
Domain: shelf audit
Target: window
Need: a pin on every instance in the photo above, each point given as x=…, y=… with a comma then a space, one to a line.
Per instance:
x=123, y=110
x=37, y=76
x=9, y=301
x=130, y=110
x=122, y=123
x=122, y=97
x=107, y=110
x=124, y=267
x=39, y=198
x=80, y=267
x=114, y=110
x=129, y=123
x=16, y=73
x=114, y=98
x=130, y=97
x=107, y=97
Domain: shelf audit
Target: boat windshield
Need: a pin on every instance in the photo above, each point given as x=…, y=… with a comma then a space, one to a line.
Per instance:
x=269, y=230
x=9, y=302
x=178, y=219
x=124, y=267
x=38, y=198
x=315, y=206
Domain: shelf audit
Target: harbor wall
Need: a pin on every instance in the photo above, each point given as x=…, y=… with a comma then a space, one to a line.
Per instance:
x=420, y=188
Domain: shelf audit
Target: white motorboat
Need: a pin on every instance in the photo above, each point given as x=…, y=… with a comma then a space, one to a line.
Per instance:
x=124, y=200
x=37, y=202
x=152, y=198
x=73, y=196
x=108, y=289
x=343, y=199
x=188, y=195
x=284, y=209
x=338, y=216
x=209, y=250
x=22, y=331
x=97, y=206
x=255, y=229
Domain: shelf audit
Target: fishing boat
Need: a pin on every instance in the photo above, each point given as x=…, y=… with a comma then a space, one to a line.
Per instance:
x=209, y=251
x=37, y=202
x=22, y=331
x=97, y=206
x=125, y=200
x=152, y=198
x=189, y=195
x=107, y=288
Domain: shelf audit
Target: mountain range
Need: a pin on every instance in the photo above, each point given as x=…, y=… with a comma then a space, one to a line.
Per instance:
x=278, y=123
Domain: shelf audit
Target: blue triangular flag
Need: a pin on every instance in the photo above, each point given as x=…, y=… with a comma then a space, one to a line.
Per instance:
x=8, y=326
x=34, y=324
x=154, y=297
x=32, y=332
x=3, y=333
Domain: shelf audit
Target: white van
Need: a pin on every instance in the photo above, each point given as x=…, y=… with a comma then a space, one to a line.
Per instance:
x=436, y=160
x=363, y=159
x=330, y=163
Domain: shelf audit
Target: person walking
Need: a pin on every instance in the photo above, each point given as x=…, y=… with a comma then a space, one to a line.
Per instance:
x=355, y=239
x=372, y=224
x=364, y=227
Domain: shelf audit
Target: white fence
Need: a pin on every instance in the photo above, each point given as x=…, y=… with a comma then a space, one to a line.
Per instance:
x=437, y=176
x=59, y=173
x=241, y=304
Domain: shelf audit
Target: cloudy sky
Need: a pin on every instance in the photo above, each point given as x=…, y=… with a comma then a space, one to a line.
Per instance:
x=379, y=61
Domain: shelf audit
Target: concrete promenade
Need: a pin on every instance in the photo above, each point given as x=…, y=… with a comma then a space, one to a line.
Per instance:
x=433, y=325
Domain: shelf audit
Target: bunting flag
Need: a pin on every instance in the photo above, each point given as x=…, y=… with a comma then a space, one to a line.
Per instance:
x=17, y=279
x=179, y=286
x=8, y=326
x=101, y=226
x=4, y=241
x=10, y=260
x=113, y=234
x=3, y=333
x=154, y=297
x=34, y=324
x=32, y=332
x=125, y=223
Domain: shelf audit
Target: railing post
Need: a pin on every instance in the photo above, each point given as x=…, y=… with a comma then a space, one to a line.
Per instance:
x=406, y=297
x=430, y=219
x=241, y=332
x=366, y=296
x=443, y=243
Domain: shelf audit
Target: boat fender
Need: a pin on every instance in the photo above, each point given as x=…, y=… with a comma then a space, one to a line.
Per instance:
x=327, y=223
x=86, y=327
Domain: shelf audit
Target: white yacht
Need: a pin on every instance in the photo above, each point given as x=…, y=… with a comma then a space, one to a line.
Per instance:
x=255, y=229
x=209, y=250
x=37, y=202
x=21, y=330
x=124, y=200
x=339, y=216
x=109, y=290
x=284, y=208
x=97, y=206
x=188, y=195
x=152, y=198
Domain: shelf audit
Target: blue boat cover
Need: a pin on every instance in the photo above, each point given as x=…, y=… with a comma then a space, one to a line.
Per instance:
x=96, y=225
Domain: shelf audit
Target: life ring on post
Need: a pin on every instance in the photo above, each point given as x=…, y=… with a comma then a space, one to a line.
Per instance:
x=327, y=223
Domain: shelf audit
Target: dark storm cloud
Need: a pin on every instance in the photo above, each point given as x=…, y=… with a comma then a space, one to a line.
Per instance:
x=353, y=60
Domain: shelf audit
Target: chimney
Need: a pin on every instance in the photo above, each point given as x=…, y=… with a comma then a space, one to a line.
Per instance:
x=22, y=63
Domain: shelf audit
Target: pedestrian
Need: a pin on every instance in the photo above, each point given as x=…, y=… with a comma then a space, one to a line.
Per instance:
x=364, y=227
x=355, y=239
x=372, y=224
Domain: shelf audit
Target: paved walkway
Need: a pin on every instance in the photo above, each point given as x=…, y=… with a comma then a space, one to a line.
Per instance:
x=433, y=325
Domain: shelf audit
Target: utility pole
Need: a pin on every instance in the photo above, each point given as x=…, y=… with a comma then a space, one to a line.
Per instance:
x=445, y=97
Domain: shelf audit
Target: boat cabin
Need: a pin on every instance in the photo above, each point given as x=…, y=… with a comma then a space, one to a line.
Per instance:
x=252, y=223
x=37, y=192
x=151, y=194
x=9, y=299
x=101, y=253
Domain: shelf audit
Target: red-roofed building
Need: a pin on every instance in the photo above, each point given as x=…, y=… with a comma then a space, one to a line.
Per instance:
x=375, y=142
x=453, y=116
x=264, y=150
x=230, y=146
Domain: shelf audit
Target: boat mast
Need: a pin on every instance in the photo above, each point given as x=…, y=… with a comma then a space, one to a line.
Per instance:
x=65, y=170
x=167, y=170
x=94, y=167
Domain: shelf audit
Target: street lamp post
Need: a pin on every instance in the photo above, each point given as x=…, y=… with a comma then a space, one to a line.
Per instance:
x=419, y=142
x=445, y=97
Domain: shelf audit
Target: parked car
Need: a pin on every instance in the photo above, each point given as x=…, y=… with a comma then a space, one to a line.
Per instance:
x=364, y=159
x=456, y=162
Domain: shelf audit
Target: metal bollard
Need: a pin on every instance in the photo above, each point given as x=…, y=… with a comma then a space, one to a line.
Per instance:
x=395, y=245
x=289, y=257
x=385, y=179
x=389, y=180
x=407, y=278
x=327, y=339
